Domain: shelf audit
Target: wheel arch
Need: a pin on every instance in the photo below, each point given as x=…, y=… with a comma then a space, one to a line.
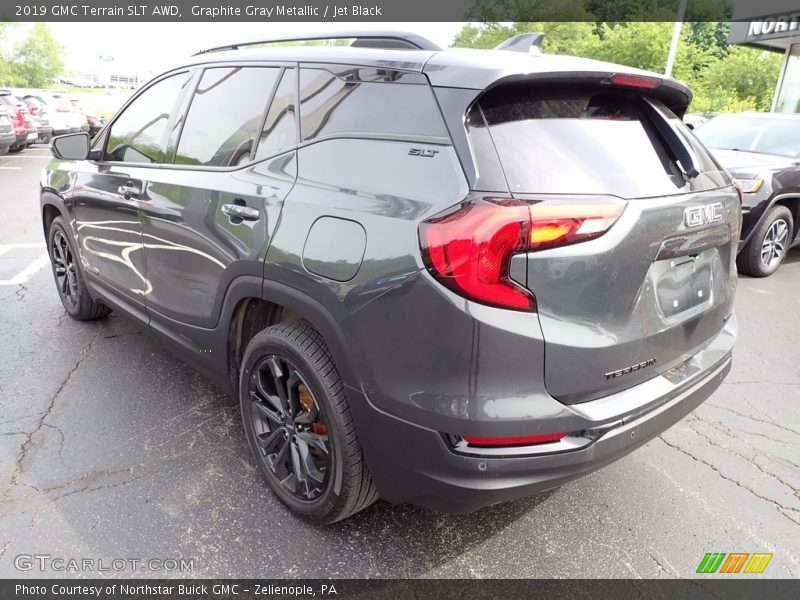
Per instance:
x=277, y=303
x=792, y=202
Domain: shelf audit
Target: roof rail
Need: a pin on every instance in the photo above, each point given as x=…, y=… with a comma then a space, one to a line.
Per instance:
x=391, y=40
x=523, y=42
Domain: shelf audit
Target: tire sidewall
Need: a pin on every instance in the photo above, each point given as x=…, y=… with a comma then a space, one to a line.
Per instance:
x=265, y=344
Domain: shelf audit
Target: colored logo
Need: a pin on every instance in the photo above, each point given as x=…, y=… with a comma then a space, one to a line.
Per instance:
x=734, y=562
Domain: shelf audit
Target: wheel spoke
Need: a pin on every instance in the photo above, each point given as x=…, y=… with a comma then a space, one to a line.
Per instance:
x=307, y=461
x=293, y=394
x=269, y=442
x=263, y=410
x=315, y=441
x=278, y=377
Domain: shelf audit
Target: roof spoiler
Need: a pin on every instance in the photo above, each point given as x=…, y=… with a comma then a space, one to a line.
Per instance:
x=389, y=40
x=529, y=43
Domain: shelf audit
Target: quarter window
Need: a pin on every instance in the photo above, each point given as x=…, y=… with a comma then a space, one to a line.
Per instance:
x=225, y=116
x=138, y=134
x=331, y=106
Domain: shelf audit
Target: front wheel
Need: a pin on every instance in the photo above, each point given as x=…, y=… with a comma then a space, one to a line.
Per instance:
x=766, y=250
x=69, y=279
x=299, y=426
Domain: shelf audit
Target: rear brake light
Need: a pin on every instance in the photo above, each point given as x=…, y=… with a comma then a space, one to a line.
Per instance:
x=524, y=440
x=635, y=81
x=469, y=250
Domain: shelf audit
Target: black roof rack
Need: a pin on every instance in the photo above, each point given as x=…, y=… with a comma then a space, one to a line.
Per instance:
x=390, y=40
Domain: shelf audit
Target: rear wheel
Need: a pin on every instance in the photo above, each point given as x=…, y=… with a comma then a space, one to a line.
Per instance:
x=299, y=426
x=69, y=279
x=18, y=148
x=766, y=250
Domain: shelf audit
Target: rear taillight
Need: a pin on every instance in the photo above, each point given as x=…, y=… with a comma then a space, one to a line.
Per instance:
x=469, y=249
x=523, y=440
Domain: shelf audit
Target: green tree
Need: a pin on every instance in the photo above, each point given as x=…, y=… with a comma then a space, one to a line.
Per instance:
x=722, y=78
x=38, y=58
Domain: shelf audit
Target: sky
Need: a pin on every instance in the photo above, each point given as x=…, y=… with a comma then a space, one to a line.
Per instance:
x=150, y=47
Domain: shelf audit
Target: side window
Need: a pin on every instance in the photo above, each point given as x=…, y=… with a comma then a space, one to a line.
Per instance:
x=332, y=106
x=279, y=131
x=138, y=133
x=225, y=116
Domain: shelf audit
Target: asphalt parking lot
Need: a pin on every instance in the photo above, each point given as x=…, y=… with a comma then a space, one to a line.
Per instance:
x=112, y=449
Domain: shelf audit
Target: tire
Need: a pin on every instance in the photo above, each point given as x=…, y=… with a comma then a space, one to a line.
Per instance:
x=45, y=139
x=70, y=283
x=15, y=149
x=3, y=150
x=777, y=225
x=335, y=483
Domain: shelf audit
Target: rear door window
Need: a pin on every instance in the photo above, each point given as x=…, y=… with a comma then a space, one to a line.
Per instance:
x=579, y=140
x=279, y=132
x=225, y=116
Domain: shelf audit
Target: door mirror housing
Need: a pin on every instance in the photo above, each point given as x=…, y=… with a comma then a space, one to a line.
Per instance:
x=73, y=146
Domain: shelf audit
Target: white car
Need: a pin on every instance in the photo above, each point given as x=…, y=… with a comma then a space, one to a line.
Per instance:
x=64, y=117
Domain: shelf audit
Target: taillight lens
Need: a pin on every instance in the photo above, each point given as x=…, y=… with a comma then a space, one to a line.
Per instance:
x=469, y=249
x=634, y=81
x=524, y=440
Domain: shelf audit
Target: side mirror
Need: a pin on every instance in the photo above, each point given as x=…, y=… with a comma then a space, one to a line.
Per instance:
x=73, y=146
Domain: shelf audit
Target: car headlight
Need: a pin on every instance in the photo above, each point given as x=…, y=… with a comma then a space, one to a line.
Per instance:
x=750, y=186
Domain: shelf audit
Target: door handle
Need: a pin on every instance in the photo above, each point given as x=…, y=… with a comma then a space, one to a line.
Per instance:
x=237, y=211
x=129, y=190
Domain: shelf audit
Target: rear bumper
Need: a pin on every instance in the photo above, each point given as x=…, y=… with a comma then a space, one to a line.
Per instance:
x=414, y=464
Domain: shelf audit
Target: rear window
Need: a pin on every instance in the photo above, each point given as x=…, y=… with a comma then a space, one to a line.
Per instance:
x=580, y=140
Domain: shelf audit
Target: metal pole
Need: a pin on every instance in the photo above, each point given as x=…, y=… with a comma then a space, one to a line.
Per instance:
x=676, y=38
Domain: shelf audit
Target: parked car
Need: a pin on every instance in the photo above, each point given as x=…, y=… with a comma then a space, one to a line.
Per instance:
x=63, y=117
x=84, y=120
x=40, y=118
x=695, y=120
x=25, y=131
x=450, y=278
x=762, y=150
x=7, y=136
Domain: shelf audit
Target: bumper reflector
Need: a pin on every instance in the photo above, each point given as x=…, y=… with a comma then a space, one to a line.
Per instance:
x=524, y=440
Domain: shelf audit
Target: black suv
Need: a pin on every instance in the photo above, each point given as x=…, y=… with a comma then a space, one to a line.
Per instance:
x=762, y=150
x=450, y=278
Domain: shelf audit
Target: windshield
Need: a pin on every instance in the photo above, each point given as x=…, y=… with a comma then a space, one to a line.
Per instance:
x=779, y=137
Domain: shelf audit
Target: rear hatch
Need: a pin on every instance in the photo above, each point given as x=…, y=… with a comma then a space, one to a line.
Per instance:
x=658, y=282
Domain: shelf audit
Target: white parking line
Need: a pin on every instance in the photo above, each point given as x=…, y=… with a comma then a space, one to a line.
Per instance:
x=11, y=168
x=26, y=273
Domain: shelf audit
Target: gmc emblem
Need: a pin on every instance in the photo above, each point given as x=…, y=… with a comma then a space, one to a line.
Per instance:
x=695, y=216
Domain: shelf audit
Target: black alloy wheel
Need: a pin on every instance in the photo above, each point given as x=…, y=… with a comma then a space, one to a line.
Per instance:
x=289, y=428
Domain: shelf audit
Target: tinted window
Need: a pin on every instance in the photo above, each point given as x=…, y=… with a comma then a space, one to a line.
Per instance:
x=225, y=116
x=753, y=134
x=581, y=140
x=280, y=130
x=138, y=134
x=332, y=106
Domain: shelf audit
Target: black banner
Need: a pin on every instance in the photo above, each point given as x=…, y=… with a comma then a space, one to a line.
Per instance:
x=394, y=10
x=732, y=588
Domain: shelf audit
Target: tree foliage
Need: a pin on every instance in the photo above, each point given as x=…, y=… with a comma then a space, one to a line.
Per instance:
x=34, y=61
x=722, y=77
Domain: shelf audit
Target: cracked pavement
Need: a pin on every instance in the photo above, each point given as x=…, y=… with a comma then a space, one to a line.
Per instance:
x=112, y=448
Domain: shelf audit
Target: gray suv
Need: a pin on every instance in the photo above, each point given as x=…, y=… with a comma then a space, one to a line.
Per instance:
x=450, y=278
